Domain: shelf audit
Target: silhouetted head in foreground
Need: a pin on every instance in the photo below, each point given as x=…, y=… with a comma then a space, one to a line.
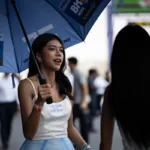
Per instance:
x=130, y=68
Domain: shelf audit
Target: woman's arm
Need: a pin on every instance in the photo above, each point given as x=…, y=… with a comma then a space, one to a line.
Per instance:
x=107, y=124
x=74, y=135
x=30, y=116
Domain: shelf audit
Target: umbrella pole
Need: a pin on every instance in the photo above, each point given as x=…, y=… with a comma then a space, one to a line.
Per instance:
x=26, y=37
x=41, y=77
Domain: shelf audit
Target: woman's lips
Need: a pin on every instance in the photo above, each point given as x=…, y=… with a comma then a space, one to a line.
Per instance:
x=57, y=61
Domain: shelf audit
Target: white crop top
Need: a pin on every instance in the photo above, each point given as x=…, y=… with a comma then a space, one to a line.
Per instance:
x=54, y=119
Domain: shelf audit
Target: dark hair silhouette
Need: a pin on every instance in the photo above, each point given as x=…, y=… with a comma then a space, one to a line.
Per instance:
x=91, y=71
x=130, y=86
x=73, y=60
x=62, y=81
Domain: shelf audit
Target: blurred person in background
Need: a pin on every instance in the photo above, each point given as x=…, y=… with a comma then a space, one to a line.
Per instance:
x=93, y=103
x=80, y=107
x=8, y=107
x=17, y=76
x=70, y=77
x=127, y=99
x=100, y=84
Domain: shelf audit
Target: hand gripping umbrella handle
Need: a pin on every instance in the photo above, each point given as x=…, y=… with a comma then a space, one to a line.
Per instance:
x=43, y=81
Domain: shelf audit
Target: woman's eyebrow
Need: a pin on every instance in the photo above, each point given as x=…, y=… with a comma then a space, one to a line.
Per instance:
x=54, y=46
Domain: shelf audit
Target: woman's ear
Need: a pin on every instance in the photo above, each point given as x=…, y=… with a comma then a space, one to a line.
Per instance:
x=38, y=57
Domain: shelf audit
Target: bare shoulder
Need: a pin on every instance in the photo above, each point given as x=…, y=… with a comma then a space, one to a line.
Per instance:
x=25, y=87
x=34, y=80
x=27, y=84
x=24, y=84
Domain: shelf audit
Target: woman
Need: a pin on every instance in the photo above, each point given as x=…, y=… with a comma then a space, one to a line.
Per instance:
x=127, y=97
x=48, y=126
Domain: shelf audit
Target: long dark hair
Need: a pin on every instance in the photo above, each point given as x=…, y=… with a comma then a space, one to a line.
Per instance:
x=61, y=79
x=130, y=68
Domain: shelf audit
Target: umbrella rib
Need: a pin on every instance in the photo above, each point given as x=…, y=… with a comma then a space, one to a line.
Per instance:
x=66, y=20
x=6, y=5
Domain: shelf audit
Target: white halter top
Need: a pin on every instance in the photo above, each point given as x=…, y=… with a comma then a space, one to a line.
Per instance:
x=54, y=118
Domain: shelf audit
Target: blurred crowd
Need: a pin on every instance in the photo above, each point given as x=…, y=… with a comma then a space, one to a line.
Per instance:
x=90, y=89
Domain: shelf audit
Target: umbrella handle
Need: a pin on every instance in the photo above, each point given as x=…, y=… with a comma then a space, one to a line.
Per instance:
x=43, y=81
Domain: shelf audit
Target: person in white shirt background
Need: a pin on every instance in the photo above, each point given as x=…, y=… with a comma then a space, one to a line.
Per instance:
x=100, y=84
x=8, y=106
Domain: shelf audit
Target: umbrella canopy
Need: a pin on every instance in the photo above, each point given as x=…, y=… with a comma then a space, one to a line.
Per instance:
x=71, y=20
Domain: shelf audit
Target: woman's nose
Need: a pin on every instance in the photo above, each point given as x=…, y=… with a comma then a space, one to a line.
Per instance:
x=58, y=52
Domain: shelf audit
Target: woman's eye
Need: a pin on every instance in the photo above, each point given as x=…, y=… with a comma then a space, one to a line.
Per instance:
x=51, y=49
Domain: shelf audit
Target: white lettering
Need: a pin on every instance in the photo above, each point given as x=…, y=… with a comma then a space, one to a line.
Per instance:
x=45, y=29
x=74, y=9
x=30, y=36
x=34, y=35
x=76, y=6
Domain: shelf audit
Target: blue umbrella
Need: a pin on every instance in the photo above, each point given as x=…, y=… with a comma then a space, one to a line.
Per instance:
x=22, y=21
x=71, y=20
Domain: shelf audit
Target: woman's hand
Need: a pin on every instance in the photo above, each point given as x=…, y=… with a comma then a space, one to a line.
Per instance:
x=44, y=92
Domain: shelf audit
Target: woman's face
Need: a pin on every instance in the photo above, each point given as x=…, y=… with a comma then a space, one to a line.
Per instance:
x=52, y=55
